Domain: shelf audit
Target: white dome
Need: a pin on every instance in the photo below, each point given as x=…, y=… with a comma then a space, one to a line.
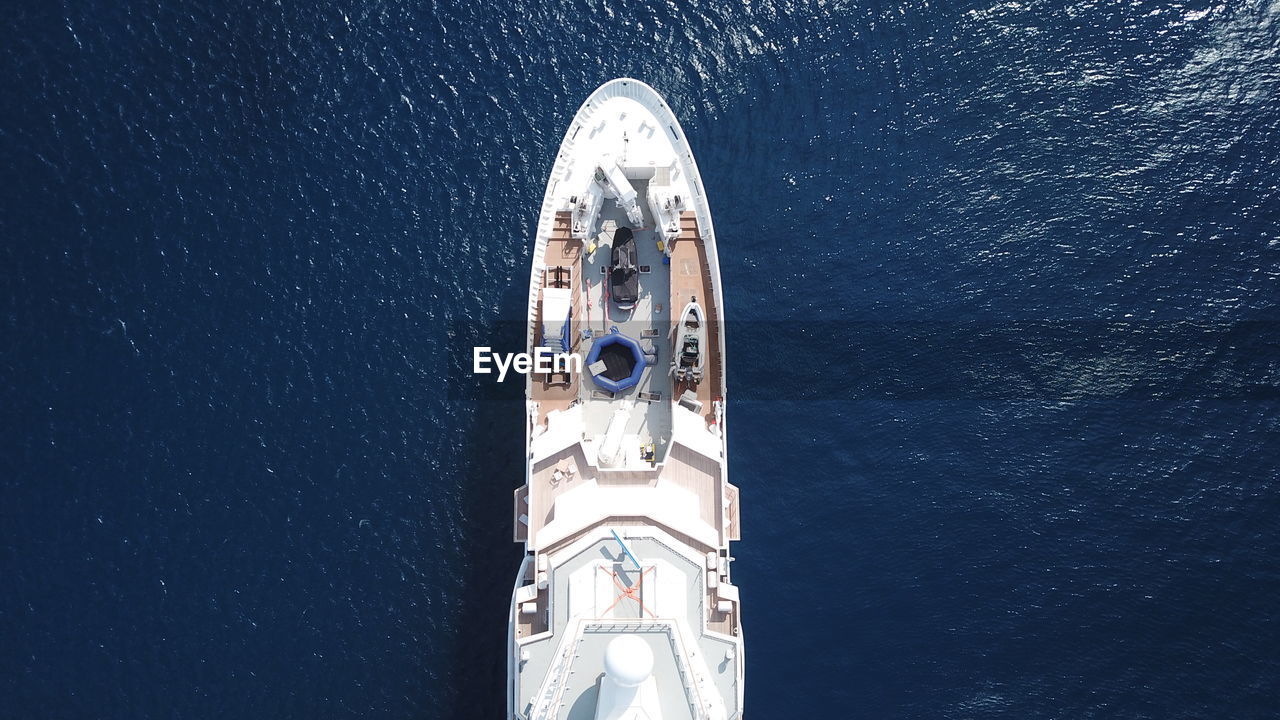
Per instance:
x=628, y=661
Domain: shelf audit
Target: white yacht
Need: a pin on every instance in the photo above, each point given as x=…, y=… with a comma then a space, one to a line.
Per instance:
x=624, y=606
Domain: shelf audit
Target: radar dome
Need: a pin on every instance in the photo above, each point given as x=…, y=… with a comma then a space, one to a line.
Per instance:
x=628, y=661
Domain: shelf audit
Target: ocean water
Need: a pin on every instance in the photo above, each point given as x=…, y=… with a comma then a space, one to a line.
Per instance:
x=1001, y=279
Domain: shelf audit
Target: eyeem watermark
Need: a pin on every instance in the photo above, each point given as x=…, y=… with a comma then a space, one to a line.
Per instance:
x=543, y=361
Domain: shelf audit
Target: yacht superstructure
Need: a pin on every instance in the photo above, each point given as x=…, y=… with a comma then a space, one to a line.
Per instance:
x=624, y=607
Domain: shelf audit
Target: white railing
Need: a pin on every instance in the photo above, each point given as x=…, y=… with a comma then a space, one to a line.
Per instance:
x=547, y=705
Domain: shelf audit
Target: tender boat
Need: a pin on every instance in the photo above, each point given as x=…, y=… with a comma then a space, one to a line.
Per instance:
x=624, y=605
x=689, y=352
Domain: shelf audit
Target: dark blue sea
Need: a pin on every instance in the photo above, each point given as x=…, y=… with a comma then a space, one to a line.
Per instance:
x=1001, y=278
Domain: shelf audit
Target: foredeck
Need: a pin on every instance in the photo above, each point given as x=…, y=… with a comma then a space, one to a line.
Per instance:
x=647, y=322
x=690, y=278
x=665, y=288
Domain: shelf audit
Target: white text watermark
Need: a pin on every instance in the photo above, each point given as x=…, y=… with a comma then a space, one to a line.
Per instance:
x=543, y=361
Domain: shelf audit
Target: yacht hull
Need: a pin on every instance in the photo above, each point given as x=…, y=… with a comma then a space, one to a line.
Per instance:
x=626, y=513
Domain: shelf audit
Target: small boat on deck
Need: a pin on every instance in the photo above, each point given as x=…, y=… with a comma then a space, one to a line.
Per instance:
x=689, y=351
x=624, y=274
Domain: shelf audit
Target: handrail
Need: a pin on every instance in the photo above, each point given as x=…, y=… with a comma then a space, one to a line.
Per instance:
x=554, y=690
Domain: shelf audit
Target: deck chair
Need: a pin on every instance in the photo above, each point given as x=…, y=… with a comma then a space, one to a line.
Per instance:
x=690, y=400
x=650, y=351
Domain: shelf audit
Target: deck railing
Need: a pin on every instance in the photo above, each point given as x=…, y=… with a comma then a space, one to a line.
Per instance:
x=547, y=705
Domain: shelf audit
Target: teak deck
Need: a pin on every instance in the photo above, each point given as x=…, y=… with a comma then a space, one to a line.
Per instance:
x=562, y=250
x=691, y=277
